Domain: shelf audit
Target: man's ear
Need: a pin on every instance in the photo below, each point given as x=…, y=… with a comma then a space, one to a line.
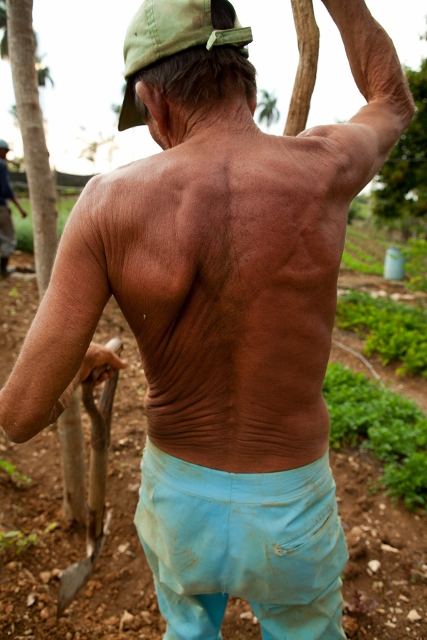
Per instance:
x=156, y=103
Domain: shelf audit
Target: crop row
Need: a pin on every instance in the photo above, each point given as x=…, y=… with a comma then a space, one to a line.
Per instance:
x=357, y=265
x=364, y=251
x=396, y=331
x=388, y=424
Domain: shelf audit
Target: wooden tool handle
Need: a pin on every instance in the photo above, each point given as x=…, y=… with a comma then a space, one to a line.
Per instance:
x=116, y=345
x=308, y=46
x=100, y=417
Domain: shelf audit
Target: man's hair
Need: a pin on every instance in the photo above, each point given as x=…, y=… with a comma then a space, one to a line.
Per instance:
x=196, y=76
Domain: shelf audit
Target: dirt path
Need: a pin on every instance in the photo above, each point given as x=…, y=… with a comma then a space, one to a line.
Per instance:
x=377, y=602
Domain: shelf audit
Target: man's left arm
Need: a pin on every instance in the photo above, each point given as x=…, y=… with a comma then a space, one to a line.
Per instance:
x=50, y=366
x=19, y=206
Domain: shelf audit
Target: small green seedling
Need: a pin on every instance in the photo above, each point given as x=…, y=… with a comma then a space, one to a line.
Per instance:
x=17, y=539
x=18, y=478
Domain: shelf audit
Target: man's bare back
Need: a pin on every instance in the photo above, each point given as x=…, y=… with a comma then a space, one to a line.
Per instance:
x=228, y=281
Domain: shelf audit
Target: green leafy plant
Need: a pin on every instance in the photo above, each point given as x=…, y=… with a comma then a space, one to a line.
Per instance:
x=416, y=264
x=18, y=540
x=18, y=478
x=408, y=479
x=390, y=425
x=394, y=330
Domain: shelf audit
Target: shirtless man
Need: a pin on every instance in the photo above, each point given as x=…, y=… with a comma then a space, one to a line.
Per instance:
x=223, y=253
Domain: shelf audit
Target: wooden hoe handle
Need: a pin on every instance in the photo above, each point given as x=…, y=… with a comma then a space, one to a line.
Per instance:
x=308, y=46
x=100, y=417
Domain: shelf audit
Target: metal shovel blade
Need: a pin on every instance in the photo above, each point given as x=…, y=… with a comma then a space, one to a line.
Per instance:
x=74, y=577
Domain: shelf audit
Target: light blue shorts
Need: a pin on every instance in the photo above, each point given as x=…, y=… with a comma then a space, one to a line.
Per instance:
x=273, y=539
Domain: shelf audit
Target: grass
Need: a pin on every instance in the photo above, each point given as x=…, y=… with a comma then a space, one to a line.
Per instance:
x=24, y=226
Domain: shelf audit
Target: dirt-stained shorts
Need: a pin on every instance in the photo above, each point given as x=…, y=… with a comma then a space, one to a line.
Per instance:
x=274, y=539
x=7, y=233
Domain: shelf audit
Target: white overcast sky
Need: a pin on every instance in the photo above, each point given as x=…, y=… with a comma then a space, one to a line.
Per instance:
x=82, y=42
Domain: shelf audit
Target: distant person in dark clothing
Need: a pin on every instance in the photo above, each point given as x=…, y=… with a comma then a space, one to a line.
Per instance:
x=7, y=232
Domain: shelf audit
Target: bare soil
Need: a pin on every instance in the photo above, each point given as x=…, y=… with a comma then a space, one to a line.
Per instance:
x=119, y=601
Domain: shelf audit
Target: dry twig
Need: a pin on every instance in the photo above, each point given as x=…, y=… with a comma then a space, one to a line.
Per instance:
x=362, y=359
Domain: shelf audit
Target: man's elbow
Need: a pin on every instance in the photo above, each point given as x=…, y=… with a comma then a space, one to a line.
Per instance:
x=19, y=429
x=406, y=108
x=16, y=436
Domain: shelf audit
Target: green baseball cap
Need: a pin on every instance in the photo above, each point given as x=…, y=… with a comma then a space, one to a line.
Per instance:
x=4, y=145
x=161, y=28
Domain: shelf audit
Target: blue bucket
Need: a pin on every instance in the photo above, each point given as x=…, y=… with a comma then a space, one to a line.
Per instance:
x=394, y=264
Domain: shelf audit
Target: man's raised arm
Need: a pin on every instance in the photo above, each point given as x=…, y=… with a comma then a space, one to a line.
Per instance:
x=378, y=74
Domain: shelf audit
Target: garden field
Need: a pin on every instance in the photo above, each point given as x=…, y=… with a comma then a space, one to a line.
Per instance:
x=364, y=250
x=376, y=391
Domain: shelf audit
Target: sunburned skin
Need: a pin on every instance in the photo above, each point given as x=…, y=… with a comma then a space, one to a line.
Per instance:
x=223, y=253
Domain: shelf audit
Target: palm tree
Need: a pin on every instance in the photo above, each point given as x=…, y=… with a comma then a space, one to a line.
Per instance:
x=3, y=29
x=4, y=49
x=268, y=110
x=43, y=72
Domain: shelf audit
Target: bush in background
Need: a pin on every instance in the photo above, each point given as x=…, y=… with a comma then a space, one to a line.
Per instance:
x=390, y=425
x=24, y=226
x=416, y=264
x=394, y=330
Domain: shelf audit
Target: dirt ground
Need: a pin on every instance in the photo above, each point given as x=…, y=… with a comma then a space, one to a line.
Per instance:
x=385, y=581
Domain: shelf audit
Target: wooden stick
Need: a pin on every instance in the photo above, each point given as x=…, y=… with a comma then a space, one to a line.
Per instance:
x=73, y=461
x=362, y=359
x=100, y=417
x=308, y=46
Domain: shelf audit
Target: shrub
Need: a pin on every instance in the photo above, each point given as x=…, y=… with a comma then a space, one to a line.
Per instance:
x=416, y=264
x=393, y=329
x=24, y=226
x=388, y=424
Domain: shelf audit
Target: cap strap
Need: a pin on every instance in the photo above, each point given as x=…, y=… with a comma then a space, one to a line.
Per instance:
x=238, y=37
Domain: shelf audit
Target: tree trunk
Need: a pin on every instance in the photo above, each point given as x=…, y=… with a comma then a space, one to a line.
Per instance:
x=73, y=461
x=308, y=46
x=43, y=206
x=40, y=180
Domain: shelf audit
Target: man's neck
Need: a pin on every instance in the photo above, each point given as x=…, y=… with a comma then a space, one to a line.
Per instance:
x=228, y=119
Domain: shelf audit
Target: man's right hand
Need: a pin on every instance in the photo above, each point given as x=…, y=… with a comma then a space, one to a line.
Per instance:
x=98, y=356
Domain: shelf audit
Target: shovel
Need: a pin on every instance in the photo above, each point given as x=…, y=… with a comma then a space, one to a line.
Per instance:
x=75, y=576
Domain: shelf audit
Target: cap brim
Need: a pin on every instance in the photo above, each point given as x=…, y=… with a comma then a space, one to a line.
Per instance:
x=130, y=116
